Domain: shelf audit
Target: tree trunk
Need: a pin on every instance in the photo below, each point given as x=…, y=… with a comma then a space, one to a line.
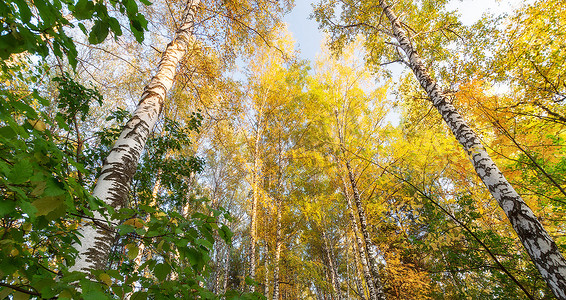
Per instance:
x=358, y=276
x=226, y=270
x=255, y=202
x=277, y=253
x=373, y=293
x=266, y=267
x=332, y=270
x=371, y=256
x=357, y=273
x=119, y=167
x=538, y=243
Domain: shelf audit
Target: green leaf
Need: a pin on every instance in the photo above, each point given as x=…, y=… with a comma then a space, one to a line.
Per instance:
x=48, y=204
x=125, y=229
x=115, y=26
x=94, y=295
x=47, y=12
x=84, y=9
x=28, y=208
x=7, y=132
x=161, y=271
x=20, y=296
x=53, y=187
x=137, y=25
x=139, y=296
x=4, y=292
x=83, y=28
x=21, y=172
x=225, y=233
x=6, y=207
x=98, y=33
x=131, y=7
x=25, y=12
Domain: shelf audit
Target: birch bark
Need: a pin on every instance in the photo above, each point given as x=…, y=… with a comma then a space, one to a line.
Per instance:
x=373, y=293
x=255, y=202
x=359, y=284
x=277, y=253
x=332, y=269
x=119, y=167
x=539, y=245
x=266, y=277
x=371, y=255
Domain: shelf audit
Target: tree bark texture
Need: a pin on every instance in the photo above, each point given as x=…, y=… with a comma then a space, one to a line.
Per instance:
x=119, y=167
x=358, y=276
x=331, y=268
x=255, y=202
x=277, y=253
x=536, y=240
x=266, y=276
x=226, y=270
x=371, y=256
x=370, y=282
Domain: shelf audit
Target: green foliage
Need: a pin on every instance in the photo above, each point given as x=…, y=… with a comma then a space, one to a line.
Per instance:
x=38, y=26
x=43, y=174
x=42, y=197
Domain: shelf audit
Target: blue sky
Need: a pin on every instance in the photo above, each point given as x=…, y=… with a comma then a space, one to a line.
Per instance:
x=308, y=37
x=305, y=31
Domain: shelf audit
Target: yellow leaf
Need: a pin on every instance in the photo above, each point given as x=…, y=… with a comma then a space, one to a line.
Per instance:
x=160, y=245
x=135, y=222
x=133, y=250
x=5, y=292
x=65, y=295
x=20, y=296
x=48, y=204
x=106, y=279
x=37, y=125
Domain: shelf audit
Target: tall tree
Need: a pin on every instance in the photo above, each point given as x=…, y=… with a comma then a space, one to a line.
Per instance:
x=539, y=245
x=119, y=167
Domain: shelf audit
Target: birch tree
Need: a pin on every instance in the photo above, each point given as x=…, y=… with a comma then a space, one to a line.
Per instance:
x=539, y=245
x=119, y=167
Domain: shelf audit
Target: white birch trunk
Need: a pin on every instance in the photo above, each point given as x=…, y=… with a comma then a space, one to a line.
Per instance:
x=371, y=255
x=358, y=276
x=266, y=277
x=119, y=167
x=539, y=245
x=255, y=202
x=370, y=282
x=278, y=243
x=226, y=270
x=332, y=269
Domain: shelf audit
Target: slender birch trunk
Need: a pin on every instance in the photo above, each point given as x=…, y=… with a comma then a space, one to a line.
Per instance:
x=370, y=282
x=539, y=245
x=371, y=255
x=119, y=167
x=277, y=253
x=333, y=276
x=359, y=283
x=328, y=279
x=255, y=202
x=226, y=270
x=266, y=266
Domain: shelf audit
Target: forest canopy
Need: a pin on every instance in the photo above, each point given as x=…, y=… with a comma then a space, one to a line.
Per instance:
x=184, y=149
